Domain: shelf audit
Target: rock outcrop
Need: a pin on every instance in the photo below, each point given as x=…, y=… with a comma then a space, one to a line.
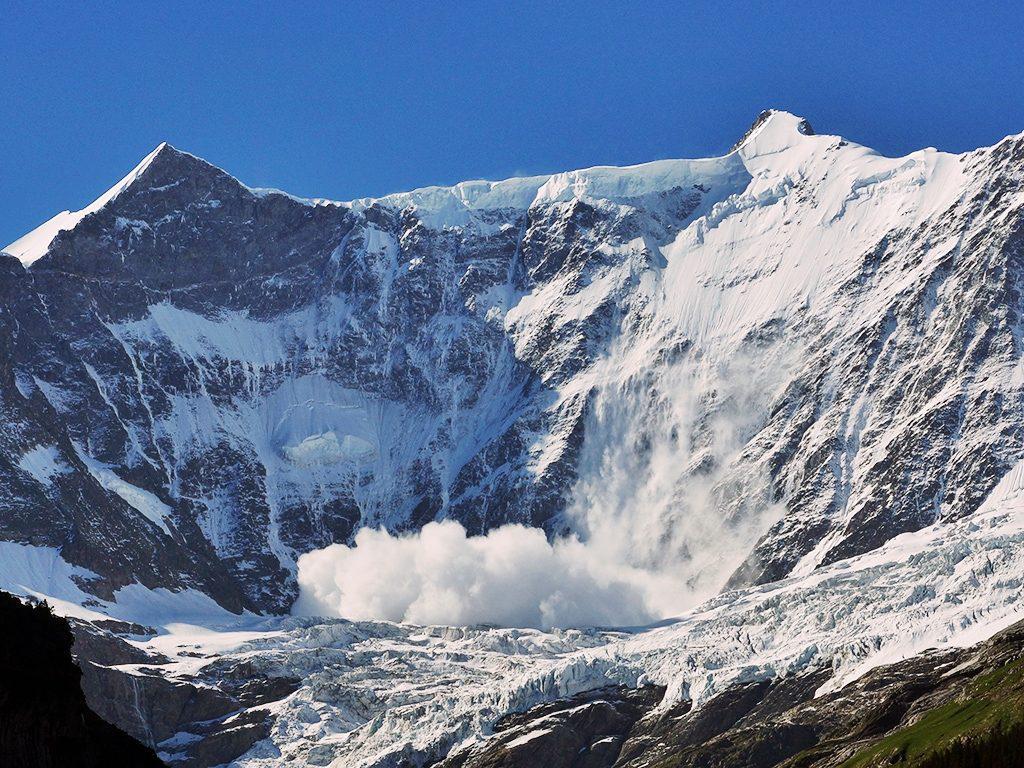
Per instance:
x=44, y=720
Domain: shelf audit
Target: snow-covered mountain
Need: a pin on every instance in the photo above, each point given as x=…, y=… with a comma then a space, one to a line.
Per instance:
x=801, y=345
x=726, y=372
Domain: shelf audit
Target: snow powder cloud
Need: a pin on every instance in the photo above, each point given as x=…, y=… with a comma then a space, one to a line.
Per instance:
x=513, y=576
x=662, y=519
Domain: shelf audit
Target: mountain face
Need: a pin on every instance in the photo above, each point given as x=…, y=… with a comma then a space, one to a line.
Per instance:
x=801, y=349
x=44, y=720
x=793, y=371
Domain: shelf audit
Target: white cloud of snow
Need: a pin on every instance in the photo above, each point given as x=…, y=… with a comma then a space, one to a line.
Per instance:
x=513, y=576
x=661, y=513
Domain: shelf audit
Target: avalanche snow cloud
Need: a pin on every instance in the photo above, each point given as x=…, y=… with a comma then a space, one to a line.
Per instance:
x=647, y=542
x=512, y=577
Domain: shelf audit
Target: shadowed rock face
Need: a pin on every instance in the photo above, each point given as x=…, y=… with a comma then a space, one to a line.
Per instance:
x=222, y=720
x=202, y=381
x=585, y=731
x=44, y=720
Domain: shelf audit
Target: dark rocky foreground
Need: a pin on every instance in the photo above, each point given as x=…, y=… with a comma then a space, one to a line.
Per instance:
x=959, y=707
x=585, y=731
x=221, y=722
x=952, y=708
x=44, y=719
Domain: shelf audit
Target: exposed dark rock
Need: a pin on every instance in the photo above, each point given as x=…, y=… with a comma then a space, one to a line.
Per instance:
x=219, y=722
x=586, y=731
x=781, y=723
x=44, y=720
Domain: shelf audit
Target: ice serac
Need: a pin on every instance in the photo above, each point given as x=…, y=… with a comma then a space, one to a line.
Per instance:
x=735, y=368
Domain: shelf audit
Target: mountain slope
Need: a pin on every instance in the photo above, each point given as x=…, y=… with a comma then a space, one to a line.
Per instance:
x=316, y=691
x=730, y=369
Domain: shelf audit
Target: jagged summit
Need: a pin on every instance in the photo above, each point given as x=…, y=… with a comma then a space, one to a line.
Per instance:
x=164, y=164
x=169, y=160
x=455, y=204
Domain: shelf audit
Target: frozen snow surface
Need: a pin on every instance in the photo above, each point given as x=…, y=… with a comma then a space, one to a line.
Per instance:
x=43, y=462
x=41, y=573
x=29, y=247
x=144, y=502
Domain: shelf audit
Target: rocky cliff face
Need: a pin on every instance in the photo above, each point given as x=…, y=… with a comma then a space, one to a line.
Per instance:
x=801, y=348
x=44, y=720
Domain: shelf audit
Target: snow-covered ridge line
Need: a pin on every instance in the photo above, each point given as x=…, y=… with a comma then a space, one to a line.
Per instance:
x=443, y=204
x=455, y=205
x=599, y=182
x=29, y=247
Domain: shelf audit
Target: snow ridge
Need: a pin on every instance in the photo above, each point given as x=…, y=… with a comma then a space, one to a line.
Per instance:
x=456, y=205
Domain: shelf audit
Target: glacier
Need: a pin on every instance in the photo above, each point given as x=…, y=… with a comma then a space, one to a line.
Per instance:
x=372, y=692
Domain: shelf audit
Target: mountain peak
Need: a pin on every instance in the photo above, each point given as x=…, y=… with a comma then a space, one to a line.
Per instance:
x=165, y=157
x=776, y=121
x=164, y=165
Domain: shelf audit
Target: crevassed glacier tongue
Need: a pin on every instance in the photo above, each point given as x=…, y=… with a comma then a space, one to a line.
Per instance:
x=372, y=691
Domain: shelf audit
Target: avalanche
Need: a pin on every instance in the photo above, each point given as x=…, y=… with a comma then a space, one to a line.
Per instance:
x=946, y=585
x=371, y=691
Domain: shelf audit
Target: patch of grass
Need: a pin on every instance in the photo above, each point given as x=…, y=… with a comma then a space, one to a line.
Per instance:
x=991, y=706
x=996, y=749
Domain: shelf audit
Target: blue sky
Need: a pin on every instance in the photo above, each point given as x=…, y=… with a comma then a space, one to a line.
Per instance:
x=345, y=100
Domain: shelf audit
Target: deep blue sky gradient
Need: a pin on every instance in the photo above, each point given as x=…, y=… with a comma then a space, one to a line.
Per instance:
x=347, y=100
